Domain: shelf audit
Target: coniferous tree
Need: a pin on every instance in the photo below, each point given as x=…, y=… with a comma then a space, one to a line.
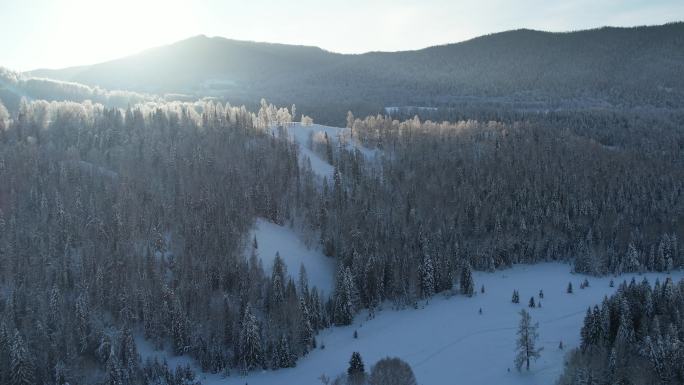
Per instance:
x=250, y=342
x=427, y=277
x=21, y=368
x=467, y=283
x=343, y=297
x=526, y=343
x=306, y=331
x=356, y=370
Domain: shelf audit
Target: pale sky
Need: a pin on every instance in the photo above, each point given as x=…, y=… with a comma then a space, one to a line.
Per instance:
x=60, y=33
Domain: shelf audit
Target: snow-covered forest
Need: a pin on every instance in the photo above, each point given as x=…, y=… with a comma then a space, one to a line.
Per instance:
x=199, y=229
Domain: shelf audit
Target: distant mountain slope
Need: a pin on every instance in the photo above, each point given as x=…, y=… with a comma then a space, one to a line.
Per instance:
x=640, y=66
x=15, y=86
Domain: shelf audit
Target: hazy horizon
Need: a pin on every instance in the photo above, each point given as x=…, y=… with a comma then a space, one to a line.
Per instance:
x=355, y=27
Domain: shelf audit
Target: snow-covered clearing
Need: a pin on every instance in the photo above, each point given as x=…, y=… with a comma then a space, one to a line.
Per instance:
x=301, y=134
x=448, y=342
x=147, y=351
x=272, y=238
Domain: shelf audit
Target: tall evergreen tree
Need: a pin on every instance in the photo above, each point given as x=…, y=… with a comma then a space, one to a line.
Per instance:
x=356, y=370
x=21, y=367
x=526, y=343
x=250, y=341
x=343, y=297
x=427, y=277
x=467, y=283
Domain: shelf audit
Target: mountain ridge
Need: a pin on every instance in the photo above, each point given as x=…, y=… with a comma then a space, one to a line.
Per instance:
x=608, y=66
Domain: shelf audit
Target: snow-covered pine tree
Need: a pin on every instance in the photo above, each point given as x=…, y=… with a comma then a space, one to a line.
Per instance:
x=250, y=341
x=128, y=351
x=525, y=345
x=303, y=282
x=82, y=322
x=21, y=368
x=356, y=370
x=5, y=344
x=467, y=283
x=531, y=303
x=179, y=329
x=516, y=297
x=283, y=356
x=427, y=277
x=569, y=289
x=277, y=296
x=631, y=260
x=343, y=297
x=113, y=373
x=306, y=331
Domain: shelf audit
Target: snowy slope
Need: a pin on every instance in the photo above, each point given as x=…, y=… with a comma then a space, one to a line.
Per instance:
x=272, y=238
x=448, y=342
x=301, y=134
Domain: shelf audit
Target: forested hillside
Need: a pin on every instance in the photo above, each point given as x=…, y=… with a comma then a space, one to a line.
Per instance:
x=117, y=223
x=634, y=337
x=607, y=68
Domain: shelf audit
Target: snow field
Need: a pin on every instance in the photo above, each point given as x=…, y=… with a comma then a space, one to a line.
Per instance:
x=272, y=238
x=448, y=342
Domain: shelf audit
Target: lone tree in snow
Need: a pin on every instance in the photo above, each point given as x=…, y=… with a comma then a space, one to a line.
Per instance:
x=527, y=337
x=531, y=304
x=569, y=288
x=391, y=371
x=516, y=297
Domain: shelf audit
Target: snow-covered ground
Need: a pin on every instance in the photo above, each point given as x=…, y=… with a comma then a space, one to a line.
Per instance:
x=448, y=342
x=147, y=351
x=301, y=134
x=272, y=238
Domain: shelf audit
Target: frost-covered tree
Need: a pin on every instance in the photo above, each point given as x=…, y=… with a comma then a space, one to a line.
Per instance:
x=427, y=277
x=306, y=331
x=356, y=370
x=343, y=297
x=250, y=351
x=4, y=119
x=21, y=367
x=631, y=261
x=526, y=343
x=467, y=283
x=391, y=371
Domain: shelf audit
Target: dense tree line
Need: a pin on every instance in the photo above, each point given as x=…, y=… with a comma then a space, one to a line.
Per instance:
x=634, y=337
